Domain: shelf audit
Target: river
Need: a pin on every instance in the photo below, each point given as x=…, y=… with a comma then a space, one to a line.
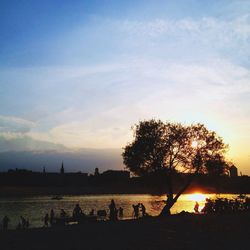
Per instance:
x=35, y=207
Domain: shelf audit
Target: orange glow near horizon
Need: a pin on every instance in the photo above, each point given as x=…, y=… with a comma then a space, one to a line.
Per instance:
x=199, y=197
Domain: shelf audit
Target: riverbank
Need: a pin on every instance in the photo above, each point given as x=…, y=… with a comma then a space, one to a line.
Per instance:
x=175, y=232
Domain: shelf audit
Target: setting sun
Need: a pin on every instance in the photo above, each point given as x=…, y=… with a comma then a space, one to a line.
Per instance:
x=197, y=197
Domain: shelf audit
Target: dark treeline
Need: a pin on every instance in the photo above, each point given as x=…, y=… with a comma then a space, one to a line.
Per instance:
x=121, y=182
x=202, y=182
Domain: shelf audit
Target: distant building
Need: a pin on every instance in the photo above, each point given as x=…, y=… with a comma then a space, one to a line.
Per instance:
x=233, y=171
x=116, y=175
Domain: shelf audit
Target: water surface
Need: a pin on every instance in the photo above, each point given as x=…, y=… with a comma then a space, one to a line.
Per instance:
x=35, y=207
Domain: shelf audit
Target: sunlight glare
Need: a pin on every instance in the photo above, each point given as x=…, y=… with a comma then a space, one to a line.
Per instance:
x=194, y=144
x=197, y=197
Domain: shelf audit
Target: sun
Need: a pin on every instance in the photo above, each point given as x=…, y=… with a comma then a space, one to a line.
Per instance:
x=194, y=144
x=197, y=197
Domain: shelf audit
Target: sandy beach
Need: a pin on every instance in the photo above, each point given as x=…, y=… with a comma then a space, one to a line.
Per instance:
x=174, y=232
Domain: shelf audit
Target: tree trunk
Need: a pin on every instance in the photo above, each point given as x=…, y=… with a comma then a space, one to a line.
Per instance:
x=166, y=210
x=169, y=203
x=171, y=199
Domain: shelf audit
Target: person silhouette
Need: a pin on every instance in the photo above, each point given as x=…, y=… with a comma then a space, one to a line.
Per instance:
x=23, y=222
x=120, y=212
x=112, y=211
x=52, y=217
x=143, y=210
x=196, y=207
x=46, y=220
x=136, y=210
x=6, y=221
x=77, y=212
x=27, y=223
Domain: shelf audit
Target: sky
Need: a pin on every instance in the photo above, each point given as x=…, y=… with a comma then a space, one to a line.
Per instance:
x=77, y=74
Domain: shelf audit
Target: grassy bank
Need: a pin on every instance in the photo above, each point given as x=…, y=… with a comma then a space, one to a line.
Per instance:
x=175, y=232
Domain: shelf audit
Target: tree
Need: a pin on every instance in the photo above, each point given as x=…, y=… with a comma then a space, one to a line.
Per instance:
x=217, y=166
x=170, y=148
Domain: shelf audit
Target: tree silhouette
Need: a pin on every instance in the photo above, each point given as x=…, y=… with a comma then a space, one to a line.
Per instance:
x=173, y=147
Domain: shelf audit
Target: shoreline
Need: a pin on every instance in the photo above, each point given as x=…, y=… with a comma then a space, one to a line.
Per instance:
x=190, y=231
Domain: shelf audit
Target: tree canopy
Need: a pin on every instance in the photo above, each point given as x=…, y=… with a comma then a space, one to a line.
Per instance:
x=174, y=147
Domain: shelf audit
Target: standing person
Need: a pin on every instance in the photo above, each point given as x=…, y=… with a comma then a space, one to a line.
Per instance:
x=136, y=210
x=23, y=222
x=77, y=212
x=112, y=211
x=120, y=212
x=27, y=223
x=6, y=221
x=196, y=207
x=52, y=217
x=143, y=210
x=46, y=220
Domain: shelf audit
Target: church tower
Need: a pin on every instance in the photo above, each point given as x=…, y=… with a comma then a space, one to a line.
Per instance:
x=62, y=169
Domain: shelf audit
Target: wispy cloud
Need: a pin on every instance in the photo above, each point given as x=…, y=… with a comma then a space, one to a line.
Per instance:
x=105, y=74
x=100, y=115
x=239, y=27
x=15, y=125
x=207, y=35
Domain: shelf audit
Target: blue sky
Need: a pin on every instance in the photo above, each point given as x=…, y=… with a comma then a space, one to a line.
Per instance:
x=80, y=73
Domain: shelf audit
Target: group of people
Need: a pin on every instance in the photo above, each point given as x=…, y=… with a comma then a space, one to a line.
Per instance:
x=22, y=224
x=49, y=219
x=78, y=214
x=114, y=213
x=137, y=209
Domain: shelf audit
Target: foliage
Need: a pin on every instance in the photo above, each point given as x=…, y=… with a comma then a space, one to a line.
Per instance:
x=174, y=147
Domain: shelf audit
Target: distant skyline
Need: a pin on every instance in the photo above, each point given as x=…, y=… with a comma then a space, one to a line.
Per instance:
x=78, y=74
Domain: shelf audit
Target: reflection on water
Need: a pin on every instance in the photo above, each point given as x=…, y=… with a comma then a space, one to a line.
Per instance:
x=35, y=207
